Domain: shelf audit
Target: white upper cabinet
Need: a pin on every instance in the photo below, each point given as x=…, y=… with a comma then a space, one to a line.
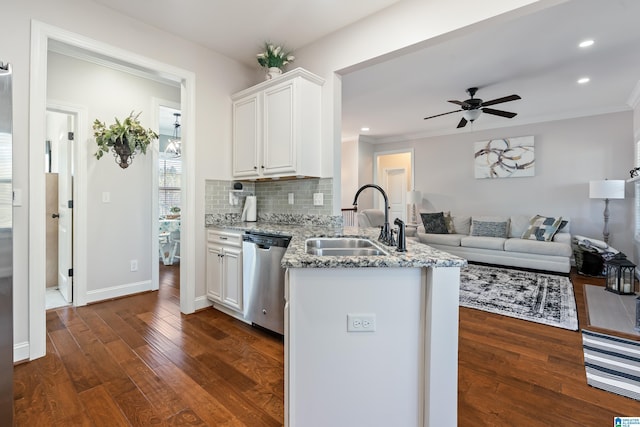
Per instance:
x=277, y=126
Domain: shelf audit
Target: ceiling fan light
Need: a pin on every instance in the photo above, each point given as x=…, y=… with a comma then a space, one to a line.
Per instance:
x=471, y=115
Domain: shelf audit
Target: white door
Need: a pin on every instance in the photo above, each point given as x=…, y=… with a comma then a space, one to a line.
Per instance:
x=395, y=184
x=65, y=220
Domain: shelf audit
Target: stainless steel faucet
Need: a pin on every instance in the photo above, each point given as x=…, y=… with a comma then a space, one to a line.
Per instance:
x=385, y=234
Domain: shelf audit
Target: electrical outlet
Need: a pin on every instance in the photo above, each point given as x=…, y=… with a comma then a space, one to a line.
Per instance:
x=290, y=198
x=134, y=265
x=364, y=322
x=318, y=199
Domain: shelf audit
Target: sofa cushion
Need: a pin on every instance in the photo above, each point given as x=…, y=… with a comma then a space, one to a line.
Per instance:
x=518, y=224
x=434, y=223
x=542, y=228
x=483, y=242
x=489, y=228
x=538, y=247
x=441, y=239
x=461, y=224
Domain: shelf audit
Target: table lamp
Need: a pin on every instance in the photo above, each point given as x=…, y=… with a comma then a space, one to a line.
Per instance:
x=606, y=189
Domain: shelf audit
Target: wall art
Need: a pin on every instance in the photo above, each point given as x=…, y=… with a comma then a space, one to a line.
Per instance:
x=505, y=158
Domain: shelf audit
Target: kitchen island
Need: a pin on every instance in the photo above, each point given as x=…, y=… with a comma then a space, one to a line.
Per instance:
x=371, y=340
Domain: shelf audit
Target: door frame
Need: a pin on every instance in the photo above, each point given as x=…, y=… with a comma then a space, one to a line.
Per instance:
x=41, y=35
x=378, y=154
x=79, y=195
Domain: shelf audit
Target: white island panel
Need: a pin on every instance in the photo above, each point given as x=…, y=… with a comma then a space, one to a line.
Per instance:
x=382, y=378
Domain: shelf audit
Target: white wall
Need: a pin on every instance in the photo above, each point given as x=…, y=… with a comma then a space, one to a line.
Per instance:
x=119, y=231
x=349, y=172
x=216, y=78
x=403, y=26
x=569, y=153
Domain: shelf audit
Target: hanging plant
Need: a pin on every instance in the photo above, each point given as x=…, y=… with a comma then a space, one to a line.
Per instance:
x=125, y=138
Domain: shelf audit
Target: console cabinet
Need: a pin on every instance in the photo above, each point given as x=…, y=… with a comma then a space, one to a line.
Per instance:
x=224, y=268
x=277, y=127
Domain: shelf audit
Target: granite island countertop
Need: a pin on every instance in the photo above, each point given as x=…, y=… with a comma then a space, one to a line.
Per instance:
x=417, y=254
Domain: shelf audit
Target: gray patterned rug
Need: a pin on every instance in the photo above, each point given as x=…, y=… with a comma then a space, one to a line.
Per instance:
x=537, y=297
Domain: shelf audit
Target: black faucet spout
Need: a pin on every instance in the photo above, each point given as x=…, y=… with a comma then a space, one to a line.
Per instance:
x=402, y=239
x=385, y=234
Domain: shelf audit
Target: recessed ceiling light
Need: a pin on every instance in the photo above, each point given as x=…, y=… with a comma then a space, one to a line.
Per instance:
x=586, y=43
x=583, y=80
x=364, y=129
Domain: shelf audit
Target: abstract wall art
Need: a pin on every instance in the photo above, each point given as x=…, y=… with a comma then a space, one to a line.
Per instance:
x=505, y=158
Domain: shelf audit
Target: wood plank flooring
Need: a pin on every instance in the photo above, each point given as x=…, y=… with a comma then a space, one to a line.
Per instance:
x=137, y=361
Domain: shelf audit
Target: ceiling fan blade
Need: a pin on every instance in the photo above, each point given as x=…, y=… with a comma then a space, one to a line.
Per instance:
x=501, y=100
x=443, y=114
x=460, y=103
x=499, y=113
x=463, y=123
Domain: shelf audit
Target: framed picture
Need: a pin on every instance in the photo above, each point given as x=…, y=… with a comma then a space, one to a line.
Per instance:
x=505, y=158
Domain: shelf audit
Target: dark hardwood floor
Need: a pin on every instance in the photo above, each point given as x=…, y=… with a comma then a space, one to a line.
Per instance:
x=138, y=361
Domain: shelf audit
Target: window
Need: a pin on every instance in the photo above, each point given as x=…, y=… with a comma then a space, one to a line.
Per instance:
x=170, y=182
x=6, y=190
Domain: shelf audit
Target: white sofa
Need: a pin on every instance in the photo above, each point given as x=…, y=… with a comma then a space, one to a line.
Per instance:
x=509, y=250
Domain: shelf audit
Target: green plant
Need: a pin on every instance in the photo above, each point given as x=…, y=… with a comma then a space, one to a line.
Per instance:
x=175, y=209
x=274, y=56
x=125, y=138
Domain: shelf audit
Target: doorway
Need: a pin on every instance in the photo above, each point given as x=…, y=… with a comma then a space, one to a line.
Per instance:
x=43, y=36
x=394, y=172
x=168, y=188
x=60, y=131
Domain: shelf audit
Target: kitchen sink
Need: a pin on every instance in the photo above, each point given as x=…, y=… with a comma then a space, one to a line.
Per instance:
x=343, y=246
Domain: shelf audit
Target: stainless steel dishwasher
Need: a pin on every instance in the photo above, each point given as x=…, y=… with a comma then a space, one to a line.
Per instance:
x=263, y=279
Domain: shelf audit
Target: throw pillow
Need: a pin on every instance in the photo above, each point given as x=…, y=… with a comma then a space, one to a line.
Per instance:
x=448, y=220
x=489, y=228
x=434, y=223
x=542, y=228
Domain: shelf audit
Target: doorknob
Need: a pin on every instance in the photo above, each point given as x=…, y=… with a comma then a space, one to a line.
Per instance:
x=55, y=215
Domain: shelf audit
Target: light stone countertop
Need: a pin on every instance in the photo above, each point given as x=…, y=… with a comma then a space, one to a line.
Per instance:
x=417, y=255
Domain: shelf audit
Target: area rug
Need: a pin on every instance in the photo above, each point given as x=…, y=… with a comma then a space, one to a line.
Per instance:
x=608, y=310
x=536, y=297
x=612, y=363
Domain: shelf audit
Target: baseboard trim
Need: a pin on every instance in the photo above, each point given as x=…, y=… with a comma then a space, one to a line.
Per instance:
x=21, y=352
x=118, y=291
x=202, y=302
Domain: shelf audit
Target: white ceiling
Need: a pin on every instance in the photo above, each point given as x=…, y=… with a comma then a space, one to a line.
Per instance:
x=534, y=56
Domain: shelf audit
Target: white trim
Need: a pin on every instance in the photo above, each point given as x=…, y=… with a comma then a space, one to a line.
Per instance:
x=118, y=291
x=41, y=34
x=634, y=97
x=203, y=302
x=21, y=351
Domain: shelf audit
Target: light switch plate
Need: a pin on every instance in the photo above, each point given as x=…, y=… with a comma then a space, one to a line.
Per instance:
x=290, y=198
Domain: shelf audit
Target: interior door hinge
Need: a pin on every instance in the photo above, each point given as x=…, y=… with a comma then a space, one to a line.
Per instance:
x=70, y=136
x=70, y=272
x=70, y=204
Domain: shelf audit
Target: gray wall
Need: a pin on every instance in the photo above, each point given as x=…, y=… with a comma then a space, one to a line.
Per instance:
x=569, y=153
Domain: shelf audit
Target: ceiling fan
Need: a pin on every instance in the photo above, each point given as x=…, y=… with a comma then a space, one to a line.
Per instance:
x=473, y=107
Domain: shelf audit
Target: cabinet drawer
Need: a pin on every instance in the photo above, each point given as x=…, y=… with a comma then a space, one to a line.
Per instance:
x=227, y=238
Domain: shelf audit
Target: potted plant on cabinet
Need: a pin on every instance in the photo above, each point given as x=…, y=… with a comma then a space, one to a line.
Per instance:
x=125, y=138
x=274, y=58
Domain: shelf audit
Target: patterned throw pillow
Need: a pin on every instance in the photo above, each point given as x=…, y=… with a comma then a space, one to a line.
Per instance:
x=489, y=228
x=542, y=228
x=434, y=223
x=448, y=220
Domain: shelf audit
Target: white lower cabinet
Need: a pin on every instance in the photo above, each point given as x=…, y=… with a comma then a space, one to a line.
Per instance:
x=224, y=268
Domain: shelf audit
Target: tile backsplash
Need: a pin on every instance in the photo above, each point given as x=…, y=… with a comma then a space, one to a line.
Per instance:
x=272, y=200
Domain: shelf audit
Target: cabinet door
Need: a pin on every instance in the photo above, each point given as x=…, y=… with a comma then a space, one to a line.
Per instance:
x=232, y=278
x=246, y=136
x=279, y=149
x=214, y=273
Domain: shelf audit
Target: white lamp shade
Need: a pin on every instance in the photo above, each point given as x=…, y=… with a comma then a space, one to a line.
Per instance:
x=414, y=197
x=606, y=189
